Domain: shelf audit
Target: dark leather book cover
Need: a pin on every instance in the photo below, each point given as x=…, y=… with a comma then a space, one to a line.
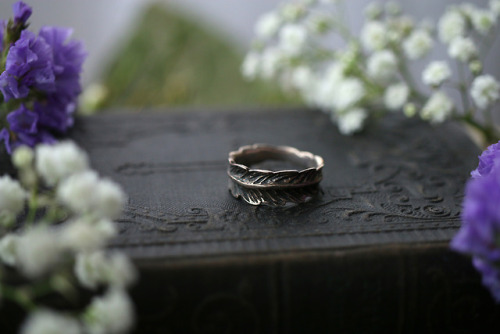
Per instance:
x=369, y=255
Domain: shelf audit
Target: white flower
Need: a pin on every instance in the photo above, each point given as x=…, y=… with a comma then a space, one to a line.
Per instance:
x=382, y=65
x=44, y=321
x=452, y=24
x=267, y=25
x=59, y=161
x=115, y=269
x=250, y=66
x=271, y=60
x=437, y=109
x=8, y=249
x=12, y=196
x=293, y=38
x=86, y=235
x=485, y=90
x=462, y=48
x=396, y=96
x=374, y=36
x=495, y=7
x=110, y=314
x=22, y=157
x=348, y=92
x=436, y=73
x=351, y=121
x=482, y=20
x=302, y=77
x=392, y=8
x=418, y=44
x=86, y=193
x=292, y=11
x=373, y=10
x=324, y=91
x=38, y=250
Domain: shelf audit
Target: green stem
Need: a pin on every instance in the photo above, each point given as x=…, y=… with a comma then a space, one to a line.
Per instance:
x=489, y=133
x=18, y=296
x=32, y=206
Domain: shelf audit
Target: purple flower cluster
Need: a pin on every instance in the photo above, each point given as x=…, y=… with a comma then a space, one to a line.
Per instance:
x=479, y=235
x=40, y=81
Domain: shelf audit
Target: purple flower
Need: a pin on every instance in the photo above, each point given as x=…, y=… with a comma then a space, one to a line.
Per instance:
x=29, y=64
x=491, y=276
x=22, y=12
x=23, y=120
x=487, y=161
x=481, y=218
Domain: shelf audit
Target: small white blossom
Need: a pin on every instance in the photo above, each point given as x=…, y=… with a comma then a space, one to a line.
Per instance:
x=271, y=60
x=86, y=193
x=22, y=157
x=110, y=314
x=351, y=121
x=495, y=7
x=436, y=73
x=462, y=48
x=374, y=36
x=452, y=24
x=267, y=25
x=382, y=65
x=319, y=23
x=485, y=91
x=348, y=92
x=293, y=38
x=373, y=10
x=86, y=235
x=410, y=109
x=392, y=8
x=326, y=88
x=437, y=109
x=418, y=44
x=56, y=162
x=293, y=11
x=250, y=66
x=12, y=196
x=482, y=20
x=45, y=321
x=302, y=77
x=38, y=250
x=8, y=249
x=93, y=269
x=396, y=96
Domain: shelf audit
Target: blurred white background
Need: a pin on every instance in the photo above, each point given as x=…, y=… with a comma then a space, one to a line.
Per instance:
x=103, y=25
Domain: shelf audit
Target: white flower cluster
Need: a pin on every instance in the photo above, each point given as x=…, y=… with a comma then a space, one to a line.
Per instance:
x=42, y=251
x=372, y=72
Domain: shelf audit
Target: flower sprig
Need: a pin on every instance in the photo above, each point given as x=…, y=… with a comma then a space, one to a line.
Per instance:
x=39, y=81
x=54, y=226
x=371, y=74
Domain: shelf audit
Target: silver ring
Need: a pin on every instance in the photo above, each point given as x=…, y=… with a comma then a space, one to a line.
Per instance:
x=274, y=188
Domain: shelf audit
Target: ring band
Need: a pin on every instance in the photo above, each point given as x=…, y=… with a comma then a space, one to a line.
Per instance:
x=273, y=188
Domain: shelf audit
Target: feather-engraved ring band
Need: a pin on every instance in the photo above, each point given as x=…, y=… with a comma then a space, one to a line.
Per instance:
x=274, y=188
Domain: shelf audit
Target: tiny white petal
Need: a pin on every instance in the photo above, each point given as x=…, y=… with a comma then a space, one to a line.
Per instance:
x=462, y=48
x=267, y=25
x=22, y=157
x=12, y=196
x=382, y=65
x=250, y=66
x=110, y=314
x=348, y=92
x=418, y=44
x=56, y=162
x=8, y=249
x=351, y=121
x=374, y=36
x=483, y=20
x=396, y=96
x=436, y=73
x=44, y=321
x=485, y=91
x=293, y=38
x=452, y=24
x=438, y=108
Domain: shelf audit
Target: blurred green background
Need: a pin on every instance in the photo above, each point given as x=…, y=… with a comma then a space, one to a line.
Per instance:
x=172, y=60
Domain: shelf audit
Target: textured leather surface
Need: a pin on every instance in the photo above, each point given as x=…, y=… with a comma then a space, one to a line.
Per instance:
x=398, y=182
